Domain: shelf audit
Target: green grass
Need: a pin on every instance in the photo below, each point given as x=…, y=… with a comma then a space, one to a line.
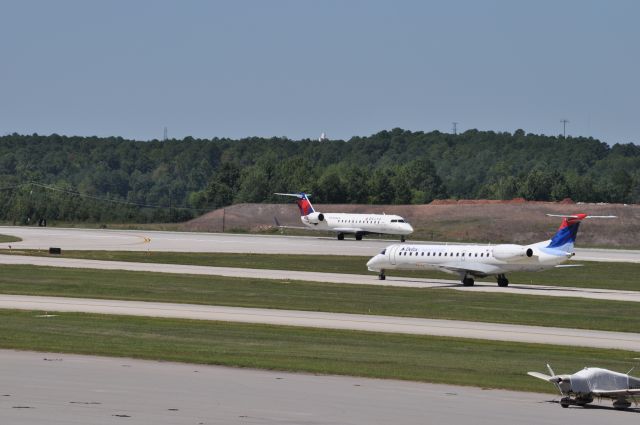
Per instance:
x=622, y=276
x=329, y=297
x=480, y=363
x=7, y=238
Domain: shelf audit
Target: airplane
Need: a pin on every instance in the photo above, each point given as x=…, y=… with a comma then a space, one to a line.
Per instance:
x=342, y=223
x=471, y=261
x=582, y=387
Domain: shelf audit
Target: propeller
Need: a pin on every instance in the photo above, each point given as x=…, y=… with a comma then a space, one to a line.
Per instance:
x=555, y=379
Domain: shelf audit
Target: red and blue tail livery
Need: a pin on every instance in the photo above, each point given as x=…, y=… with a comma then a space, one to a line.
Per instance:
x=565, y=237
x=304, y=205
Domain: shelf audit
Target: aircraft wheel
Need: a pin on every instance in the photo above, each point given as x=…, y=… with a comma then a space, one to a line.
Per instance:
x=468, y=281
x=381, y=276
x=402, y=239
x=503, y=281
x=340, y=236
x=358, y=236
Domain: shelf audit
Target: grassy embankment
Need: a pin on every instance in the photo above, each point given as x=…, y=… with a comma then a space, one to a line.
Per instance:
x=8, y=239
x=623, y=276
x=328, y=297
x=488, y=364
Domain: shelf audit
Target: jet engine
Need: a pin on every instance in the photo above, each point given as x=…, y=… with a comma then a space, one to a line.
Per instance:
x=512, y=252
x=315, y=218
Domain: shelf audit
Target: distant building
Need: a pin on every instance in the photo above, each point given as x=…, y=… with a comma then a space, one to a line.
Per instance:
x=322, y=137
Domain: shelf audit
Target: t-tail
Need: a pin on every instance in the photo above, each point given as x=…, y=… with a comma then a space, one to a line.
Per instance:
x=304, y=205
x=565, y=237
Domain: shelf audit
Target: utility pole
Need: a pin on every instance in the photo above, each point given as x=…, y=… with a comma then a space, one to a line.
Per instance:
x=455, y=128
x=166, y=134
x=564, y=127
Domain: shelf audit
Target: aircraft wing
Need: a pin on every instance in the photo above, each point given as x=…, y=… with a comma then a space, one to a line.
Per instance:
x=347, y=229
x=475, y=269
x=616, y=393
x=542, y=376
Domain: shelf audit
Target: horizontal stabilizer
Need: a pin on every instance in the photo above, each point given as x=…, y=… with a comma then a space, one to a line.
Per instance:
x=295, y=195
x=581, y=216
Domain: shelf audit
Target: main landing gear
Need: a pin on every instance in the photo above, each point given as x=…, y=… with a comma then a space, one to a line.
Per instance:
x=340, y=236
x=358, y=236
x=502, y=280
x=467, y=281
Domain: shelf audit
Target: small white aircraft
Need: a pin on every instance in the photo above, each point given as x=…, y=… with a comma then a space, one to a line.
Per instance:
x=471, y=261
x=582, y=387
x=358, y=224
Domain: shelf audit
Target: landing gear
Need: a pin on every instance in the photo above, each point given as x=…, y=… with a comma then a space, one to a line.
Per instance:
x=502, y=280
x=402, y=239
x=358, y=236
x=468, y=281
x=565, y=402
x=621, y=403
x=382, y=276
x=340, y=236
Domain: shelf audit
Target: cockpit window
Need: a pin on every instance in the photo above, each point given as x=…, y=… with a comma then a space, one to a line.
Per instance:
x=401, y=221
x=383, y=251
x=394, y=221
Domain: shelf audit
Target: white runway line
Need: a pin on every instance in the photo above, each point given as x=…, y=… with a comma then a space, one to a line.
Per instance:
x=358, y=322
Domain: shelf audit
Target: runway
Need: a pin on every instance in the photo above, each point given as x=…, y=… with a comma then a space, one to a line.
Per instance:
x=352, y=279
x=357, y=322
x=62, y=389
x=139, y=240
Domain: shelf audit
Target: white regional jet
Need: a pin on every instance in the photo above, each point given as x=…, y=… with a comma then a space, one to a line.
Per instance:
x=581, y=387
x=470, y=261
x=358, y=224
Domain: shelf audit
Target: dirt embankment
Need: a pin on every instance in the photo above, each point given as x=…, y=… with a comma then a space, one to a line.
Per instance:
x=515, y=221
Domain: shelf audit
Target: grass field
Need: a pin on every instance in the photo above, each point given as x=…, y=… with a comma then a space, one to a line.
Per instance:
x=479, y=363
x=343, y=298
x=7, y=238
x=623, y=276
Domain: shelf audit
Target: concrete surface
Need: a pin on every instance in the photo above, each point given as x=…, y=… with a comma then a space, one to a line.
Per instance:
x=139, y=240
x=63, y=389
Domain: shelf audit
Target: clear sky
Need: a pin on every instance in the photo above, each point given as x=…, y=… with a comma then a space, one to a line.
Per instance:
x=297, y=68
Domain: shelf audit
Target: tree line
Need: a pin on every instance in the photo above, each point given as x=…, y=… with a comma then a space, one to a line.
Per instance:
x=113, y=179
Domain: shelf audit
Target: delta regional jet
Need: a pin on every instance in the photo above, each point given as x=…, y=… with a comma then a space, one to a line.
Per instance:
x=342, y=223
x=472, y=261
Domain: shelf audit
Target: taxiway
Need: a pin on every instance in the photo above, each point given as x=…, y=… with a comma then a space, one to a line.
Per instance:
x=313, y=319
x=352, y=279
x=139, y=240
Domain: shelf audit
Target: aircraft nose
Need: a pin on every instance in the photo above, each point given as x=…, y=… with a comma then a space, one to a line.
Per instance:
x=373, y=261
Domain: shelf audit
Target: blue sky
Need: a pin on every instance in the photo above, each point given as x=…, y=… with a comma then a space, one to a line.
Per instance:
x=298, y=68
